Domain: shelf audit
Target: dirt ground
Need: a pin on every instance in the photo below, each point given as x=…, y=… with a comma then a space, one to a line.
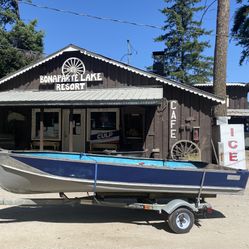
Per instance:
x=65, y=227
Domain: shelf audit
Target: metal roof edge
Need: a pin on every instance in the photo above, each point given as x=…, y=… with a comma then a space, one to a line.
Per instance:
x=86, y=103
x=243, y=84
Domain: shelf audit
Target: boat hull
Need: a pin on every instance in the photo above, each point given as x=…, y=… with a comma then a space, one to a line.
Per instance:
x=22, y=174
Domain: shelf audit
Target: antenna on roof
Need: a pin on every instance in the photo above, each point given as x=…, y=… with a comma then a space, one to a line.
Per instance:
x=130, y=51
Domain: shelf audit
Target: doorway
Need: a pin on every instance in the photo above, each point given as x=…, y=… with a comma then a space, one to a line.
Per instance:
x=78, y=130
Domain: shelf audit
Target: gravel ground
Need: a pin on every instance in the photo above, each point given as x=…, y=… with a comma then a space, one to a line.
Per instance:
x=64, y=227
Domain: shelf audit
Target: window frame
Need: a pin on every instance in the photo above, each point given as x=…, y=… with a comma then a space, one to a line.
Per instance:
x=90, y=110
x=38, y=110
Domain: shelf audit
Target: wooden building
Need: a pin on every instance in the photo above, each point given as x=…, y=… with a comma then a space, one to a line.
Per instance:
x=76, y=100
x=237, y=104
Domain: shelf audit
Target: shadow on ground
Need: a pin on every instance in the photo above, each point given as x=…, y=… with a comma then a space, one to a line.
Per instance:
x=87, y=214
x=82, y=214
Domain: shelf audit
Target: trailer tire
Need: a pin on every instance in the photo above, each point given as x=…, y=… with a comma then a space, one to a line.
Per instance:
x=181, y=220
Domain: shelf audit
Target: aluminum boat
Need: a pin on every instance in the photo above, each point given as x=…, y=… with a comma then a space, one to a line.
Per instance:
x=52, y=172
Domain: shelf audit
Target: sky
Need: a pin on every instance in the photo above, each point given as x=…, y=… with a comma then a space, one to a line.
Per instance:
x=110, y=38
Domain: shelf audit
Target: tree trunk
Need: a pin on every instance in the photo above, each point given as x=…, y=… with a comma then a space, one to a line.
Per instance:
x=220, y=55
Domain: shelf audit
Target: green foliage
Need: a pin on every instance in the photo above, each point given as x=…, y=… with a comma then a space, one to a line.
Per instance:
x=9, y=12
x=240, y=30
x=183, y=57
x=20, y=43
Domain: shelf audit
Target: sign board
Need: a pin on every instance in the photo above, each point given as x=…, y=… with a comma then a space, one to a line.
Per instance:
x=232, y=146
x=73, y=76
x=104, y=136
x=173, y=122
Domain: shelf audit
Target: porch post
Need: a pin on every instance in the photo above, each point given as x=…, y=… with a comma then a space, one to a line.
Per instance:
x=41, y=128
x=71, y=130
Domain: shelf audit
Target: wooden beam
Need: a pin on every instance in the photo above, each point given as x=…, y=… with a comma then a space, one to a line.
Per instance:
x=41, y=129
x=71, y=130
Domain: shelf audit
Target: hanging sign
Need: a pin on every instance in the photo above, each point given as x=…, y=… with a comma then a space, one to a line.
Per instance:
x=73, y=76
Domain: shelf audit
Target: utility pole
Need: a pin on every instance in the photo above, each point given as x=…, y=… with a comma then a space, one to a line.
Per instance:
x=220, y=55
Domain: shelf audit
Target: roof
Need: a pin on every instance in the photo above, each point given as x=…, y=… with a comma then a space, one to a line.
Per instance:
x=156, y=77
x=243, y=84
x=109, y=96
x=238, y=112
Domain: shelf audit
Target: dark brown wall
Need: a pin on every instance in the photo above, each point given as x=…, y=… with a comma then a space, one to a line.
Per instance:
x=113, y=75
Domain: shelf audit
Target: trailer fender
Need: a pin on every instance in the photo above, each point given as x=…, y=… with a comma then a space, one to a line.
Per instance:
x=171, y=206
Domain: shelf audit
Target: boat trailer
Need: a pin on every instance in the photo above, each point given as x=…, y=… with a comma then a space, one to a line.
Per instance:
x=180, y=213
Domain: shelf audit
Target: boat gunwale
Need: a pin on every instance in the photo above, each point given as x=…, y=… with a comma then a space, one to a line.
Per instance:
x=204, y=169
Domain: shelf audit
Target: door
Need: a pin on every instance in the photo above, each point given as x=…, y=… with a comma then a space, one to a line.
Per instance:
x=78, y=130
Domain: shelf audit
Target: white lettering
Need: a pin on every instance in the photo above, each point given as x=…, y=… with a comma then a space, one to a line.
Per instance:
x=82, y=86
x=88, y=77
x=104, y=135
x=70, y=86
x=41, y=79
x=172, y=123
x=58, y=87
x=173, y=115
x=99, y=77
x=173, y=107
x=62, y=78
x=173, y=133
x=173, y=104
x=77, y=87
x=67, y=87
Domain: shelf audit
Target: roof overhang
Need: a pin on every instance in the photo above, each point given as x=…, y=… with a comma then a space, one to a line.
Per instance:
x=96, y=97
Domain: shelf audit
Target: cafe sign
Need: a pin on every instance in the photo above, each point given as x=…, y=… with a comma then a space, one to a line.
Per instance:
x=73, y=76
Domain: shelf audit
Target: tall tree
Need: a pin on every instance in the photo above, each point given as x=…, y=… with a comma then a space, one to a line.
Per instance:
x=240, y=30
x=20, y=43
x=183, y=55
x=220, y=57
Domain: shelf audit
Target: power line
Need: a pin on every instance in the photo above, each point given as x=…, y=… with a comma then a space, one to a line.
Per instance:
x=63, y=11
x=90, y=16
x=125, y=21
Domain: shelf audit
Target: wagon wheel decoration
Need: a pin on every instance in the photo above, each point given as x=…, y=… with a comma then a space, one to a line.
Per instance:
x=185, y=150
x=73, y=66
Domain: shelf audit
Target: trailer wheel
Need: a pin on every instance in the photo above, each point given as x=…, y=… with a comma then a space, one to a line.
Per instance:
x=181, y=220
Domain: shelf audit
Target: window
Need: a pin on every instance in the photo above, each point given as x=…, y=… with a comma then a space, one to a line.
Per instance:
x=51, y=123
x=76, y=124
x=102, y=120
x=133, y=125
